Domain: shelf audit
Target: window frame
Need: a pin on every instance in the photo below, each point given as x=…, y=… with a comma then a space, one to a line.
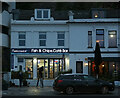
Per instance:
x=61, y=39
x=115, y=39
x=42, y=39
x=91, y=39
x=42, y=10
x=22, y=39
x=103, y=38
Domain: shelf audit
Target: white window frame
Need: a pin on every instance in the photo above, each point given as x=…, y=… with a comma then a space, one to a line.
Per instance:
x=42, y=38
x=42, y=10
x=61, y=38
x=22, y=39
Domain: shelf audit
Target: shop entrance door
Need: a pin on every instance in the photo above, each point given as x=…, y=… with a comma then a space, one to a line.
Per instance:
x=79, y=66
x=29, y=67
x=51, y=67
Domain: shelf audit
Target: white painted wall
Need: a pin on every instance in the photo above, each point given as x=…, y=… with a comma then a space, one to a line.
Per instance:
x=32, y=35
x=76, y=39
x=4, y=18
x=78, y=33
x=4, y=40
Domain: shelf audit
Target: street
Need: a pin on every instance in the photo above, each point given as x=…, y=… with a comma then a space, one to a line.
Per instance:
x=48, y=91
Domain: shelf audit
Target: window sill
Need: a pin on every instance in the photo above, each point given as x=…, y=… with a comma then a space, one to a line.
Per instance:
x=90, y=47
x=112, y=47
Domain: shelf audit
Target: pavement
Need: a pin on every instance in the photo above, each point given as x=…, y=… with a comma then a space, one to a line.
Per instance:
x=48, y=91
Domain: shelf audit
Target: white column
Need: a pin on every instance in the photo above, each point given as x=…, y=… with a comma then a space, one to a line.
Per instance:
x=34, y=68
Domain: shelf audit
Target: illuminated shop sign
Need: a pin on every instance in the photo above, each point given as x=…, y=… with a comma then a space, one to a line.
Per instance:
x=40, y=50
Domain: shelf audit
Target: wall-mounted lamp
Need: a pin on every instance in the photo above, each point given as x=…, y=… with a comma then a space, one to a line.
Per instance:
x=35, y=60
x=113, y=65
x=86, y=64
x=103, y=65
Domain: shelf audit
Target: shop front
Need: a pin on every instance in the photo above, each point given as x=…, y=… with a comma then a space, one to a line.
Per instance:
x=110, y=66
x=52, y=63
x=51, y=66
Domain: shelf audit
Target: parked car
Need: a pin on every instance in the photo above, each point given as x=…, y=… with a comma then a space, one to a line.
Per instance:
x=69, y=83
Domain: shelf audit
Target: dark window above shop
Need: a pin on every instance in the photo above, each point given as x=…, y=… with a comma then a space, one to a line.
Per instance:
x=20, y=59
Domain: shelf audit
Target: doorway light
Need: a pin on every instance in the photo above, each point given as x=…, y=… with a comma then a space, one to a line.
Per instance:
x=35, y=60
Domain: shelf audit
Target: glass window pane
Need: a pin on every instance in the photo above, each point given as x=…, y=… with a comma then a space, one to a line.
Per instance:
x=61, y=36
x=42, y=42
x=21, y=36
x=39, y=14
x=46, y=68
x=60, y=42
x=100, y=32
x=112, y=32
x=100, y=40
x=45, y=14
x=42, y=36
x=90, y=41
x=112, y=39
x=56, y=67
x=21, y=42
x=29, y=68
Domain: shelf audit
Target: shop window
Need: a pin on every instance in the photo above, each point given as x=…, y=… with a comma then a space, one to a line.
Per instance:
x=100, y=37
x=112, y=39
x=61, y=38
x=22, y=38
x=89, y=39
x=42, y=13
x=29, y=67
x=42, y=38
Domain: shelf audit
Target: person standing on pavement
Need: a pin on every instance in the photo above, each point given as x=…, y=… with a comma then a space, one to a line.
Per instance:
x=40, y=77
x=20, y=78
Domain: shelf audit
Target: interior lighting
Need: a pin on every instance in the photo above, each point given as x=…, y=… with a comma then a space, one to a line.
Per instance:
x=96, y=15
x=111, y=35
x=35, y=60
x=103, y=65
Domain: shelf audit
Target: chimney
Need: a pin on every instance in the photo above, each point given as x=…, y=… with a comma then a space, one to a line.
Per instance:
x=71, y=16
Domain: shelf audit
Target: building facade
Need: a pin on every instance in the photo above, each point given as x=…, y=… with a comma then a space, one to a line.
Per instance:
x=5, y=17
x=60, y=45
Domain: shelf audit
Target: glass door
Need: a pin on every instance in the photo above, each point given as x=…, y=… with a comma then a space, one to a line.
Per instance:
x=56, y=67
x=40, y=64
x=29, y=67
x=51, y=68
x=46, y=69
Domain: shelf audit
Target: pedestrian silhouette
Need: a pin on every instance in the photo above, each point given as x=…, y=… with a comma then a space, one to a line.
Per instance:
x=40, y=77
x=20, y=78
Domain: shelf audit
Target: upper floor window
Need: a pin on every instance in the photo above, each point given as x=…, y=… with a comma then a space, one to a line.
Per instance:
x=22, y=38
x=61, y=37
x=89, y=39
x=112, y=37
x=100, y=37
x=42, y=38
x=98, y=13
x=42, y=13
